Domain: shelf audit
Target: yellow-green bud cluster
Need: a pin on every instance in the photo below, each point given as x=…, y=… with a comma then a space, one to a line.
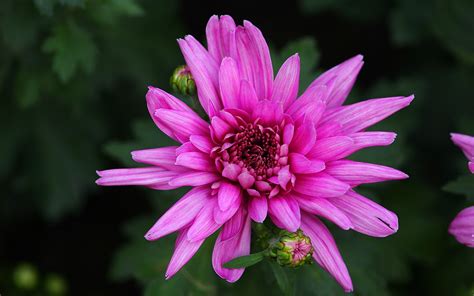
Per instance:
x=182, y=81
x=291, y=249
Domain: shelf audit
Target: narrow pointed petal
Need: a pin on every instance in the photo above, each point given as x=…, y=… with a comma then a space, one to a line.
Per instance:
x=310, y=105
x=285, y=86
x=219, y=33
x=196, y=161
x=326, y=252
x=159, y=99
x=300, y=164
x=345, y=75
x=205, y=73
x=304, y=138
x=202, y=143
x=234, y=225
x=183, y=252
x=462, y=227
x=251, y=52
x=285, y=212
x=288, y=133
x=320, y=185
x=356, y=117
x=163, y=157
x=367, y=216
x=229, y=83
x=248, y=96
x=355, y=173
x=204, y=225
x=228, y=194
x=135, y=176
x=331, y=148
x=284, y=176
x=369, y=139
x=182, y=124
x=193, y=179
x=258, y=208
x=466, y=143
x=186, y=209
x=324, y=208
x=230, y=248
x=222, y=216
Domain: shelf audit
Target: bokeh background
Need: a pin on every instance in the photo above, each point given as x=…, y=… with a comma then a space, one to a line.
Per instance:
x=73, y=76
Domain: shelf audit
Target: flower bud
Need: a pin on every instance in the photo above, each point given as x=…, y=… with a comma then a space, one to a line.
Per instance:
x=292, y=249
x=182, y=81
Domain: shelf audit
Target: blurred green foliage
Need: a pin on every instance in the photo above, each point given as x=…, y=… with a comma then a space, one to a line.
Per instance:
x=73, y=75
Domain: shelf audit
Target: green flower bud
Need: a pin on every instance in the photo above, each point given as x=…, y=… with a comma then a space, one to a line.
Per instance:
x=292, y=249
x=55, y=285
x=182, y=81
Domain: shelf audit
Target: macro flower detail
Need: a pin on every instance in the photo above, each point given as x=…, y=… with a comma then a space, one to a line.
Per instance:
x=462, y=227
x=291, y=249
x=182, y=81
x=265, y=153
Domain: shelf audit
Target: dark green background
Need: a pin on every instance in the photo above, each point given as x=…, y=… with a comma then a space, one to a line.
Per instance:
x=73, y=76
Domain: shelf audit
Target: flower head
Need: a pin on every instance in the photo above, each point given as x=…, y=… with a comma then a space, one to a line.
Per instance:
x=462, y=226
x=264, y=152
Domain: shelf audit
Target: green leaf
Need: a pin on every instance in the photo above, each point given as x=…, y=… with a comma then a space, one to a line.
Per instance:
x=463, y=185
x=72, y=48
x=245, y=261
x=281, y=279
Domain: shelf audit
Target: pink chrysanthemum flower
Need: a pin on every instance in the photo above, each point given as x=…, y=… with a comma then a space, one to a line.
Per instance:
x=265, y=152
x=462, y=226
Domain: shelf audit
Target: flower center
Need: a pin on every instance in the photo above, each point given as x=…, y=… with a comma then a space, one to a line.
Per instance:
x=256, y=148
x=254, y=156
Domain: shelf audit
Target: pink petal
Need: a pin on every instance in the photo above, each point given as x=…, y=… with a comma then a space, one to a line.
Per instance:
x=367, y=216
x=164, y=156
x=356, y=117
x=220, y=128
x=304, y=139
x=355, y=173
x=331, y=148
x=285, y=212
x=462, y=227
x=370, y=139
x=284, y=176
x=186, y=209
x=204, y=225
x=246, y=180
x=268, y=112
x=324, y=208
x=235, y=246
x=234, y=225
x=229, y=83
x=193, y=179
x=135, y=176
x=466, y=143
x=288, y=133
x=310, y=104
x=202, y=143
x=285, y=86
x=251, y=52
x=345, y=74
x=196, y=160
x=183, y=252
x=302, y=165
x=228, y=195
x=320, y=185
x=205, y=73
x=248, y=97
x=231, y=171
x=219, y=32
x=326, y=252
x=258, y=208
x=159, y=99
x=182, y=124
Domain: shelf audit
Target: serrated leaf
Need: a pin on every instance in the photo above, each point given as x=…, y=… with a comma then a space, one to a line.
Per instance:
x=245, y=261
x=72, y=49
